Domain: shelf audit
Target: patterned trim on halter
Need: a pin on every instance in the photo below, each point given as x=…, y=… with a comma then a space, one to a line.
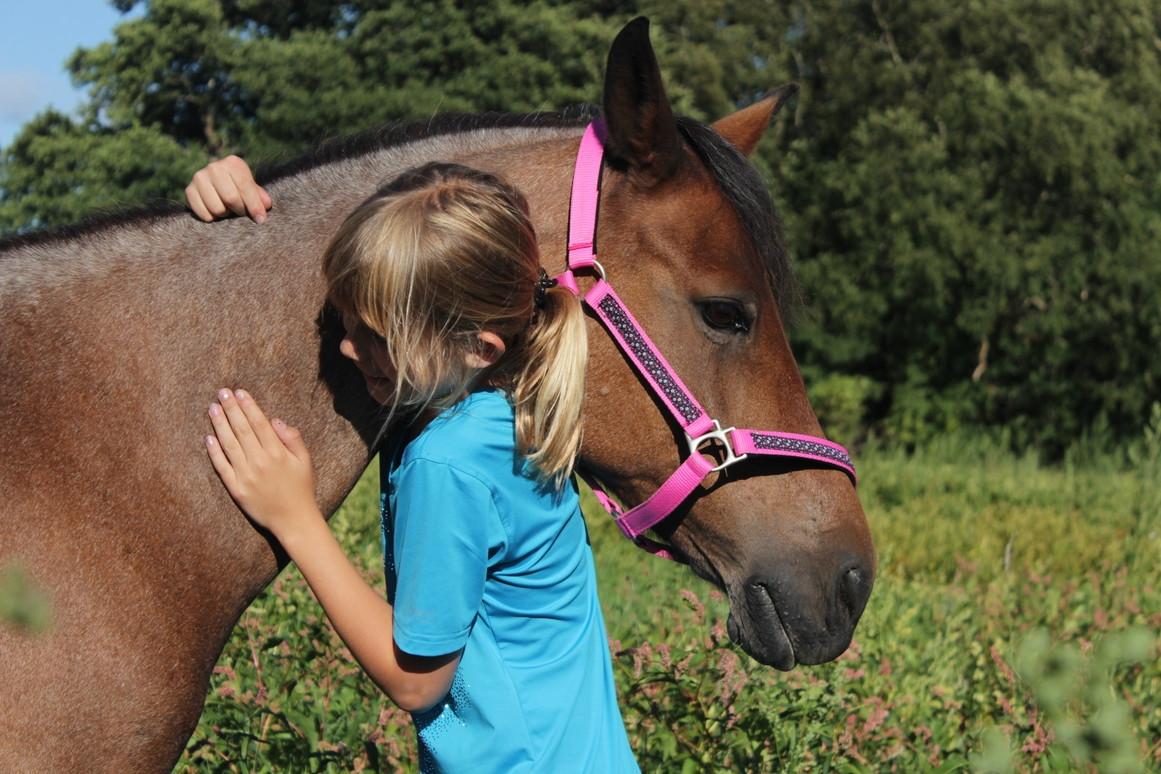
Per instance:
x=644, y=354
x=778, y=443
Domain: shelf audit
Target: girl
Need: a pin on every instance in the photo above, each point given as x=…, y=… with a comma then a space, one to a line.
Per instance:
x=491, y=634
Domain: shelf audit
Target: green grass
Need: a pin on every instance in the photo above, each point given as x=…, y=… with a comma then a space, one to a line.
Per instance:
x=1014, y=626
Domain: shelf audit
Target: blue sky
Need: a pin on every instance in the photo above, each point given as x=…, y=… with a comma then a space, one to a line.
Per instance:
x=36, y=37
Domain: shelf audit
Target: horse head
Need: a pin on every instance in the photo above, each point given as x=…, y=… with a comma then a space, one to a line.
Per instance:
x=689, y=236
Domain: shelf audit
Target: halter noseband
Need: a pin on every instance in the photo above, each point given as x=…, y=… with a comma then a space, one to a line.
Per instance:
x=699, y=428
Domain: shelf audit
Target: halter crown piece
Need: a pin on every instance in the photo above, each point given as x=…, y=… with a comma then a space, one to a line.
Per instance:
x=700, y=429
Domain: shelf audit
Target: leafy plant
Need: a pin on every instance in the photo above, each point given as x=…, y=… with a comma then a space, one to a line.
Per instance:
x=22, y=604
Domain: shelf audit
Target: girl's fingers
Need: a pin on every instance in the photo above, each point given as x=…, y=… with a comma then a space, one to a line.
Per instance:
x=292, y=438
x=250, y=199
x=194, y=200
x=226, y=438
x=254, y=205
x=226, y=188
x=248, y=189
x=258, y=422
x=250, y=444
x=220, y=463
x=209, y=195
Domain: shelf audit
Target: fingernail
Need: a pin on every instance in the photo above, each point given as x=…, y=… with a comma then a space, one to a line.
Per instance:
x=261, y=218
x=209, y=440
x=240, y=394
x=278, y=423
x=215, y=409
x=223, y=394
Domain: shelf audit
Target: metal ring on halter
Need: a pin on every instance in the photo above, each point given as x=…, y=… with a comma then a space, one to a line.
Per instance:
x=600, y=269
x=722, y=437
x=567, y=278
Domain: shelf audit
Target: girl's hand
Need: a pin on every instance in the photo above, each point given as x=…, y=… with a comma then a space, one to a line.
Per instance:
x=227, y=186
x=264, y=465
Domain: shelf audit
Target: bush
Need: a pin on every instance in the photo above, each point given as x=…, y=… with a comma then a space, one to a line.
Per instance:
x=841, y=402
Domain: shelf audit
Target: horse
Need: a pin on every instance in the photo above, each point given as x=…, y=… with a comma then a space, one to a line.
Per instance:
x=117, y=332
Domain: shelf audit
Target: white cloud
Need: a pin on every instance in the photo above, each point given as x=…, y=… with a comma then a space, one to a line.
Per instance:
x=22, y=94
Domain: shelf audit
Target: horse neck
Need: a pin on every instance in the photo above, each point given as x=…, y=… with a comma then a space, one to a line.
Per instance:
x=133, y=329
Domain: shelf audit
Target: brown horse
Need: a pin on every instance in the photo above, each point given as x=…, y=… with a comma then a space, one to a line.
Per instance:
x=116, y=334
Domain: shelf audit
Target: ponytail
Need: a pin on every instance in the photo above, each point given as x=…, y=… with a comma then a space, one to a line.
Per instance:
x=549, y=387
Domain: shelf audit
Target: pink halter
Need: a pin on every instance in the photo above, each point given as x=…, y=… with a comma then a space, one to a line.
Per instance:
x=628, y=334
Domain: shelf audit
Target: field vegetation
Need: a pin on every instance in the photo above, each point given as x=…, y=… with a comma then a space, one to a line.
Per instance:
x=1014, y=626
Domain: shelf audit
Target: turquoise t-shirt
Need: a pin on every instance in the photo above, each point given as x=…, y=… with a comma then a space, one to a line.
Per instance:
x=481, y=556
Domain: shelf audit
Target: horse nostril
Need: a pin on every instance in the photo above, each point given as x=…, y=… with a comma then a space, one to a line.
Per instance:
x=854, y=590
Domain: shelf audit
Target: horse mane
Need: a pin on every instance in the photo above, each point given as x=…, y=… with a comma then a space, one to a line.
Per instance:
x=328, y=151
x=92, y=224
x=396, y=133
x=738, y=180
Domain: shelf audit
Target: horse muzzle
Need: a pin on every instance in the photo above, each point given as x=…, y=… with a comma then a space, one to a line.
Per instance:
x=783, y=621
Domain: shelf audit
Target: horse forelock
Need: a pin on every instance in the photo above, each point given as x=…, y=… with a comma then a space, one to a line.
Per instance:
x=742, y=186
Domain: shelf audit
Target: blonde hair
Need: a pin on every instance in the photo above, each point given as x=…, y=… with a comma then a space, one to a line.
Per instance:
x=435, y=257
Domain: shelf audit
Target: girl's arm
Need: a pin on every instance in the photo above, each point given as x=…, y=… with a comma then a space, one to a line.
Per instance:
x=363, y=619
x=266, y=468
x=227, y=186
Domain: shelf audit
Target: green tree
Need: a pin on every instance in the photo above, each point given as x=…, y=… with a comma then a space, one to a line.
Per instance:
x=58, y=171
x=972, y=195
x=970, y=190
x=191, y=79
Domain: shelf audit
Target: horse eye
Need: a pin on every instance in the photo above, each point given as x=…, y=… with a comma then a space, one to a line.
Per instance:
x=725, y=315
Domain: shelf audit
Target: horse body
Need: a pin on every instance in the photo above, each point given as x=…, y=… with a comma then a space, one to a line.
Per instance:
x=114, y=345
x=115, y=339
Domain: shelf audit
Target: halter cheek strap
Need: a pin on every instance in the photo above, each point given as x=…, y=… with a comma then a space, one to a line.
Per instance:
x=700, y=429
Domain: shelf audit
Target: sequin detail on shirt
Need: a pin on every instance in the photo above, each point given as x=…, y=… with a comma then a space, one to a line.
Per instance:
x=387, y=543
x=439, y=720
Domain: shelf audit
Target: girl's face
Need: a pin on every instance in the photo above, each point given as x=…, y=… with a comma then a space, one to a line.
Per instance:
x=369, y=353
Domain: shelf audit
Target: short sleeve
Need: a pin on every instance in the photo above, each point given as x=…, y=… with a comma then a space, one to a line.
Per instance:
x=445, y=529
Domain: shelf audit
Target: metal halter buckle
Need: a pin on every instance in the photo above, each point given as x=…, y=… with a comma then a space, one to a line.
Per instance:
x=719, y=435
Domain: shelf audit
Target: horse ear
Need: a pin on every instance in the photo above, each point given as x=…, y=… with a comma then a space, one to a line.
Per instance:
x=641, y=130
x=744, y=128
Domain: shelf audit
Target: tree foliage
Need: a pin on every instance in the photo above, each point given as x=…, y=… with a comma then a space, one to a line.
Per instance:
x=972, y=196
x=58, y=170
x=970, y=189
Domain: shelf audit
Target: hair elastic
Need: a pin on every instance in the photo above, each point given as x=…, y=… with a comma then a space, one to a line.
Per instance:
x=542, y=286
